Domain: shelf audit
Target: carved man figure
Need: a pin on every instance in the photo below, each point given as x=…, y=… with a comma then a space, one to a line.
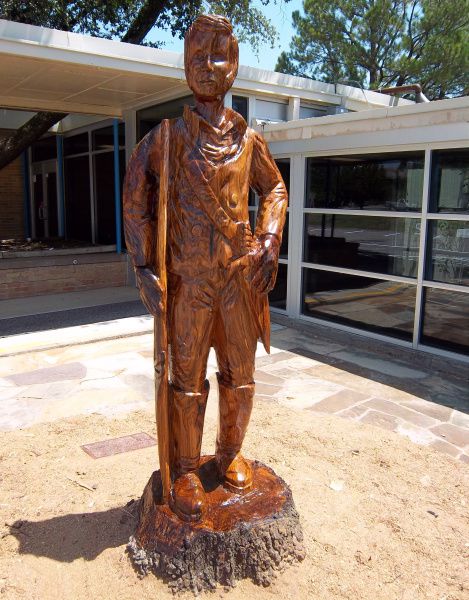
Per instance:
x=219, y=271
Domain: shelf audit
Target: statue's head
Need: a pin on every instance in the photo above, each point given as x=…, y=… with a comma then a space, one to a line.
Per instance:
x=210, y=57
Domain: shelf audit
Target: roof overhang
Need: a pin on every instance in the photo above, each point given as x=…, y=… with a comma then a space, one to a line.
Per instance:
x=47, y=69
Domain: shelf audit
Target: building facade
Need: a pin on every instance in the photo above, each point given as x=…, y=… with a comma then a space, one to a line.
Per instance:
x=377, y=233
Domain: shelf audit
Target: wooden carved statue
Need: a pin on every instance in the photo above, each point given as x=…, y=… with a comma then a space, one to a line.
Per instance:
x=201, y=271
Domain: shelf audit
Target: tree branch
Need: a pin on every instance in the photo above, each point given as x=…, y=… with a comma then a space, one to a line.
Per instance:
x=12, y=146
x=144, y=21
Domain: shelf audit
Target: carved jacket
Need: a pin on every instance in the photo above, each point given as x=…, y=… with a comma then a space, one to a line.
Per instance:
x=232, y=158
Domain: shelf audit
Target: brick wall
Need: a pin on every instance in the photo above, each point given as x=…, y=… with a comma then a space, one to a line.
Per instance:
x=11, y=200
x=92, y=272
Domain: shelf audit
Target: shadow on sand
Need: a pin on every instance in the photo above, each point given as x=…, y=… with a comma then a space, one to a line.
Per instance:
x=81, y=535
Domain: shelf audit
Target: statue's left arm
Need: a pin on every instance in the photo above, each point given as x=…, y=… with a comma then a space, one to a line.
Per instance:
x=266, y=180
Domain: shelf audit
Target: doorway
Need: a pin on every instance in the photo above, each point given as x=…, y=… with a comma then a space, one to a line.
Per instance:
x=44, y=200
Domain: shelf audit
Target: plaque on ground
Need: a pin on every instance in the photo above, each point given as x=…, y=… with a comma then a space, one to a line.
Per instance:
x=126, y=443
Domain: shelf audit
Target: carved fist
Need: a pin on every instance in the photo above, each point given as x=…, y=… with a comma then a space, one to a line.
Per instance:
x=150, y=290
x=265, y=264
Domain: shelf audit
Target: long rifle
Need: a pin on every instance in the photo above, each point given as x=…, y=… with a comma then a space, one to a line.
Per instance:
x=160, y=324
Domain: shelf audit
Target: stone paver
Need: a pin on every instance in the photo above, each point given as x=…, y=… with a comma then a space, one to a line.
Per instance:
x=339, y=401
x=396, y=410
x=99, y=371
x=453, y=434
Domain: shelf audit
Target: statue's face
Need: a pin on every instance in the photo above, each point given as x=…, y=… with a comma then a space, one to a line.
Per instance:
x=210, y=64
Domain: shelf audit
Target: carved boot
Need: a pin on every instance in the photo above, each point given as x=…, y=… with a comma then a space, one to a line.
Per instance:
x=235, y=406
x=187, y=498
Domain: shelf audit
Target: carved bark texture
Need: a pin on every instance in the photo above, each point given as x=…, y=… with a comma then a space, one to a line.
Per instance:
x=254, y=535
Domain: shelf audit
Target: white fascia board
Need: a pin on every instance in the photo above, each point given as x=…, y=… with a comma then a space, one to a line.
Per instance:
x=376, y=141
x=58, y=106
x=51, y=44
x=436, y=107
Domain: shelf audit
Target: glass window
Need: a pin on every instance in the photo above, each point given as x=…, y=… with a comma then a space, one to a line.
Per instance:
x=385, y=307
x=278, y=296
x=103, y=139
x=450, y=181
x=77, y=198
x=283, y=165
x=446, y=320
x=306, y=112
x=375, y=182
x=76, y=144
x=448, y=259
x=150, y=117
x=387, y=245
x=104, y=197
x=284, y=246
x=44, y=149
x=271, y=111
x=240, y=105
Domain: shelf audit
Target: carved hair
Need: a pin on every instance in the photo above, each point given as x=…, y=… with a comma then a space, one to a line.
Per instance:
x=214, y=24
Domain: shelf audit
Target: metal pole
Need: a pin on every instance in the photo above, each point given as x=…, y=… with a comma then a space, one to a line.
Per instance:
x=26, y=195
x=117, y=187
x=60, y=184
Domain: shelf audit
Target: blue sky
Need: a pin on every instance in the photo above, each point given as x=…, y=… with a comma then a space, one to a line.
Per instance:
x=279, y=14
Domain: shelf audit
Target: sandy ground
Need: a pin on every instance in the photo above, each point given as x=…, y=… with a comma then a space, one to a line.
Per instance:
x=395, y=526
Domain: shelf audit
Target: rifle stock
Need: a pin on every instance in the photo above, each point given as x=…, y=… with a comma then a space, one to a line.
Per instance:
x=160, y=324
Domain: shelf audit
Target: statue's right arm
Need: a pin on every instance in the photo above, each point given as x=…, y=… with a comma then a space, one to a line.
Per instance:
x=140, y=210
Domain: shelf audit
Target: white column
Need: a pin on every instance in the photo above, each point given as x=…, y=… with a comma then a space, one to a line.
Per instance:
x=293, y=111
x=295, y=239
x=229, y=100
x=251, y=109
x=130, y=120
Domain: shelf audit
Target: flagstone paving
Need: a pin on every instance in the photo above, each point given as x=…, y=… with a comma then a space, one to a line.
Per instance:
x=43, y=379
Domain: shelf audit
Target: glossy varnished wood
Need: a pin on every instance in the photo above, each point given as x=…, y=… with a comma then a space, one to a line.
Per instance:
x=225, y=510
x=242, y=535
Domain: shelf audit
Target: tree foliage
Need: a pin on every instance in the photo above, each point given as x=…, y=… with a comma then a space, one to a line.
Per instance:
x=380, y=43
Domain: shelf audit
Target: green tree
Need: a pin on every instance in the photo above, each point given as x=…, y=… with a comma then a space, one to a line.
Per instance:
x=129, y=21
x=380, y=43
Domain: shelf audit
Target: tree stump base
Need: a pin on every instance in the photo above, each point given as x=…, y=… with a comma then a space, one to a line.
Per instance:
x=249, y=535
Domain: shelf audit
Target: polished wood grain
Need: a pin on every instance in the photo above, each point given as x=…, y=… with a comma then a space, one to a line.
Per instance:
x=200, y=269
x=241, y=535
x=160, y=325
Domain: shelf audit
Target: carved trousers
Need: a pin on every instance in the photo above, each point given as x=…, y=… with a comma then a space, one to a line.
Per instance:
x=205, y=312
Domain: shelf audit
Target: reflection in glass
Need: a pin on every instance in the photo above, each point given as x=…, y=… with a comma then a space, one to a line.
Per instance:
x=278, y=296
x=240, y=105
x=448, y=252
x=77, y=198
x=104, y=197
x=283, y=165
x=385, y=307
x=446, y=320
x=284, y=246
x=150, y=117
x=450, y=181
x=377, y=244
x=44, y=149
x=76, y=144
x=375, y=182
x=103, y=139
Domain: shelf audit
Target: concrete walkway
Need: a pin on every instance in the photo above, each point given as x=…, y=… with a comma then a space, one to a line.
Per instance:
x=107, y=368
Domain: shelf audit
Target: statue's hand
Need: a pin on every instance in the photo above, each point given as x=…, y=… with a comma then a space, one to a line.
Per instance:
x=265, y=263
x=150, y=290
